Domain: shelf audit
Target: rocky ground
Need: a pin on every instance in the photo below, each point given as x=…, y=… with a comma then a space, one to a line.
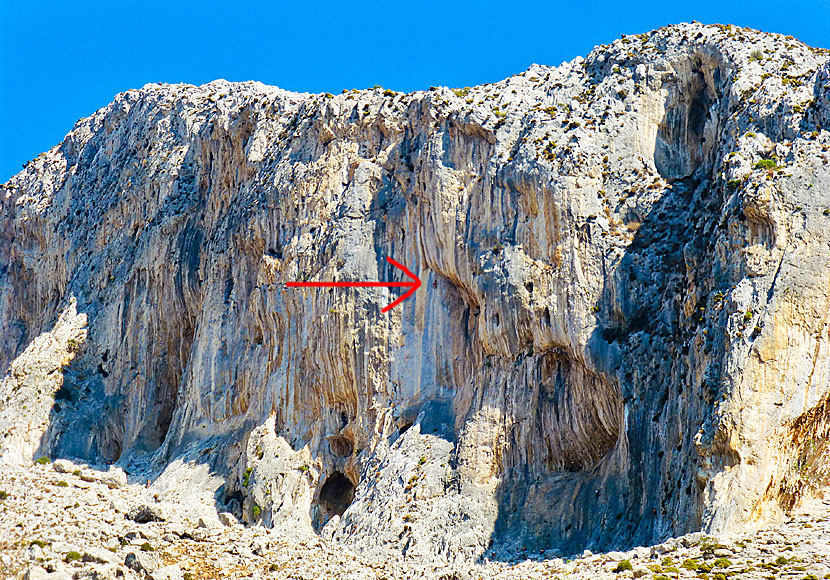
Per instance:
x=62, y=521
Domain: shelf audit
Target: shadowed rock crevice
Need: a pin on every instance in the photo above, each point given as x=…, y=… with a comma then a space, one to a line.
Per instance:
x=341, y=446
x=568, y=441
x=578, y=414
x=689, y=130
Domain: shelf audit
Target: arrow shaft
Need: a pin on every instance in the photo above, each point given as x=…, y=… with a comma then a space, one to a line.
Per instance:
x=349, y=284
x=413, y=285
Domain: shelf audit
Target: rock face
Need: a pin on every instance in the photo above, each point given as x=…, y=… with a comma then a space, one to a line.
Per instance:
x=622, y=333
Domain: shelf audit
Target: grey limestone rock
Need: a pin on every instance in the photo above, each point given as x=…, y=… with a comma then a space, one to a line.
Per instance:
x=171, y=572
x=100, y=556
x=146, y=512
x=63, y=466
x=621, y=334
x=35, y=573
x=141, y=562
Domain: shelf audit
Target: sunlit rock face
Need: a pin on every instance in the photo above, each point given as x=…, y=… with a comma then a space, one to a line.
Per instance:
x=622, y=332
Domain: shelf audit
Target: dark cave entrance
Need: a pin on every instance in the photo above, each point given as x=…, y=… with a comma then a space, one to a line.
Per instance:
x=336, y=494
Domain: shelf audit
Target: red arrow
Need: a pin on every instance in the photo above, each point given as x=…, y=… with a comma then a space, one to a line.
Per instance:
x=414, y=285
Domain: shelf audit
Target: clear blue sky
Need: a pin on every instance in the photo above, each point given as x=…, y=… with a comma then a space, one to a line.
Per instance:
x=60, y=61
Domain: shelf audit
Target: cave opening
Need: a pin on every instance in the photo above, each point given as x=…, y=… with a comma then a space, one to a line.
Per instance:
x=336, y=494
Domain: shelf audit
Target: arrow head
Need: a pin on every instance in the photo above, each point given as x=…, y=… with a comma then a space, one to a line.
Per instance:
x=414, y=285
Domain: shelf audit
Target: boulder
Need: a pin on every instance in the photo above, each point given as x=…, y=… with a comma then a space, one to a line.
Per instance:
x=64, y=466
x=171, y=572
x=142, y=562
x=100, y=556
x=115, y=478
x=145, y=512
x=35, y=573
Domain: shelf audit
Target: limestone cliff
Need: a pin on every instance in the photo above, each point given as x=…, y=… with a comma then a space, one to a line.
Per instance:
x=622, y=333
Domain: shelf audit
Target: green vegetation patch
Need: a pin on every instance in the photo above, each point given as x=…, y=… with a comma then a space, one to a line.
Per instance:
x=690, y=564
x=769, y=164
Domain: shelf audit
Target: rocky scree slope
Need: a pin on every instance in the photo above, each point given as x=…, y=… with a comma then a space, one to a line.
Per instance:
x=622, y=333
x=120, y=531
